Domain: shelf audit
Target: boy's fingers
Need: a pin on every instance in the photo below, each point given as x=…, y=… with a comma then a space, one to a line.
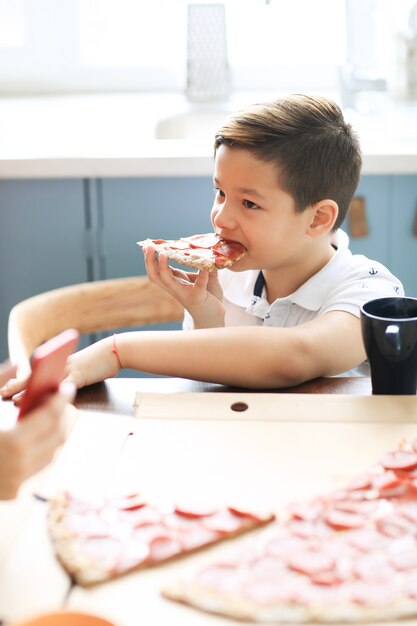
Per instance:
x=14, y=386
x=202, y=279
x=7, y=371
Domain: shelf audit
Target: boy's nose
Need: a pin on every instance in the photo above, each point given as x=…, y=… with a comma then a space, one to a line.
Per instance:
x=223, y=218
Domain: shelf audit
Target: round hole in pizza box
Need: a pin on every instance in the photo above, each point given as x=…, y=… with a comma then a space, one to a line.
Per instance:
x=239, y=406
x=66, y=618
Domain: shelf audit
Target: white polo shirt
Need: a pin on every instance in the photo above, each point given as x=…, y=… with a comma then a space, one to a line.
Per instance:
x=345, y=283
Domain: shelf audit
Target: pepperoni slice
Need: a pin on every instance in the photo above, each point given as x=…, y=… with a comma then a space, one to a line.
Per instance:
x=232, y=250
x=373, y=569
x=143, y=516
x=131, y=503
x=106, y=550
x=196, y=537
x=364, y=507
x=367, y=539
x=308, y=530
x=343, y=520
x=162, y=548
x=404, y=560
x=203, y=241
x=173, y=245
x=308, y=512
x=194, y=511
x=327, y=579
x=409, y=510
x=400, y=459
x=389, y=485
x=311, y=562
x=224, y=522
x=395, y=526
x=133, y=555
x=284, y=547
x=258, y=517
x=360, y=483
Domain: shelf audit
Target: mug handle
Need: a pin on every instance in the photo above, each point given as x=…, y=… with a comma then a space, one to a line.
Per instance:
x=392, y=334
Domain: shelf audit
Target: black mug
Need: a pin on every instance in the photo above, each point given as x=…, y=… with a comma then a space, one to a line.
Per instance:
x=389, y=331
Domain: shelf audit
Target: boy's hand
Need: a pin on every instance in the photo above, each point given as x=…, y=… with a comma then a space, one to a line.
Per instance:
x=93, y=364
x=199, y=293
x=7, y=371
x=88, y=366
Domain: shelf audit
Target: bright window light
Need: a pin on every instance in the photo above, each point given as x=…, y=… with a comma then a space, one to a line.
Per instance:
x=140, y=45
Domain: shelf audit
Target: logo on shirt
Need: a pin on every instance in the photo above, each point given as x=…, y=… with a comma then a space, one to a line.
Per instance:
x=396, y=289
x=373, y=271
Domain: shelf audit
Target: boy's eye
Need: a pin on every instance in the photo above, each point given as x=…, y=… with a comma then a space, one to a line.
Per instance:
x=219, y=192
x=250, y=205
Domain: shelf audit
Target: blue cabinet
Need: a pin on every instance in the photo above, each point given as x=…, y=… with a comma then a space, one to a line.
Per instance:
x=134, y=209
x=403, y=241
x=42, y=240
x=391, y=206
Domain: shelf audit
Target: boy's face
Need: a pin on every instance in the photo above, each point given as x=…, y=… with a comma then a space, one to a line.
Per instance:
x=251, y=208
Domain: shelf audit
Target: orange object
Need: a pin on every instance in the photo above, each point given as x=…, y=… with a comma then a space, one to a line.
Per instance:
x=66, y=618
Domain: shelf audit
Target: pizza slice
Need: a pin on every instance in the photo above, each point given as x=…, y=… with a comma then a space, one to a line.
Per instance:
x=100, y=539
x=207, y=251
x=347, y=557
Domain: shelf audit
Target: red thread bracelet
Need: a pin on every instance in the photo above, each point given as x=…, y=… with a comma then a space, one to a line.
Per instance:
x=115, y=352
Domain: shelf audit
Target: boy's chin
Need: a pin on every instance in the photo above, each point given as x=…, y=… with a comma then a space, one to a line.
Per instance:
x=240, y=266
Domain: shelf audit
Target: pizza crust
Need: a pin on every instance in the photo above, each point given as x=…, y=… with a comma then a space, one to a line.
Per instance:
x=234, y=606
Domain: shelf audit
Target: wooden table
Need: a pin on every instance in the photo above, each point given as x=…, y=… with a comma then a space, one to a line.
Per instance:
x=117, y=394
x=112, y=450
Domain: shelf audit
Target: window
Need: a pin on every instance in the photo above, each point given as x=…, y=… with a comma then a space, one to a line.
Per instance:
x=138, y=45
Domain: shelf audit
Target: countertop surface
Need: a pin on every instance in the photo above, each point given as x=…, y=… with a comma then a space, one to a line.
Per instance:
x=141, y=135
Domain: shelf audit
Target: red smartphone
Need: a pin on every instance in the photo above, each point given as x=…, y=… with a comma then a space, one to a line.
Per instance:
x=48, y=369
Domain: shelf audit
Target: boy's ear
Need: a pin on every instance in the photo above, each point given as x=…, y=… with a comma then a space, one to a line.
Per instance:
x=324, y=215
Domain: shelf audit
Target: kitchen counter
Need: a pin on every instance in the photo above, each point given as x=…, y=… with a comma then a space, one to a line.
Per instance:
x=146, y=135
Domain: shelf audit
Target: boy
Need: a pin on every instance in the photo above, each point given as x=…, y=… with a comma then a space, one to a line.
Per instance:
x=284, y=177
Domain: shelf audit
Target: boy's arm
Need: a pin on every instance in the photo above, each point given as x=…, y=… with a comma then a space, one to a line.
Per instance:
x=253, y=357
x=258, y=357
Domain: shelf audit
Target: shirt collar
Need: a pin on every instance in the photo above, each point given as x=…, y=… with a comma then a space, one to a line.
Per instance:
x=309, y=296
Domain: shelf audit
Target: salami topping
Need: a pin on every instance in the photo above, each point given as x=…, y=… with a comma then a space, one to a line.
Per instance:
x=163, y=548
x=259, y=517
x=389, y=485
x=193, y=511
x=311, y=562
x=341, y=520
x=132, y=502
x=401, y=459
x=223, y=522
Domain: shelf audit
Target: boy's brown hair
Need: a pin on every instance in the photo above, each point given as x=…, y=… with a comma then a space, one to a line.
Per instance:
x=316, y=152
